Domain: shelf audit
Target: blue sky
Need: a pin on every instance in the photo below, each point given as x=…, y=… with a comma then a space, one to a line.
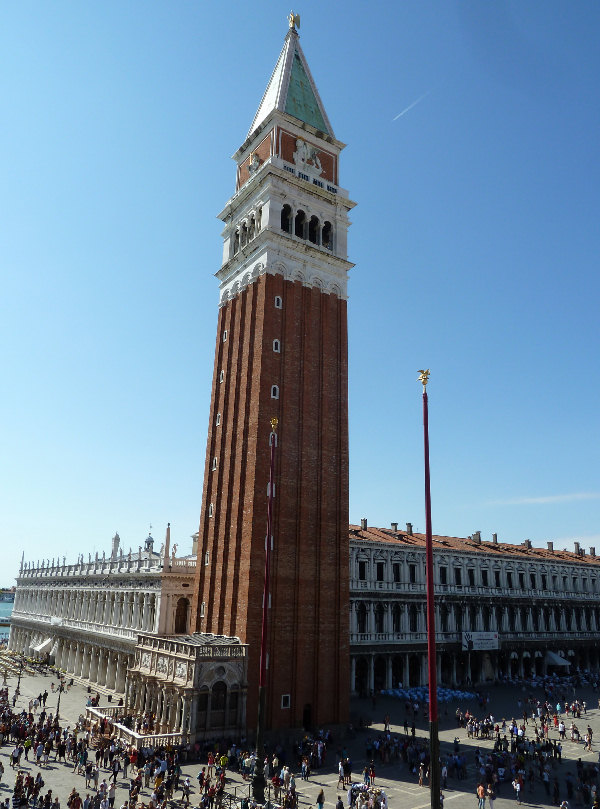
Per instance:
x=475, y=238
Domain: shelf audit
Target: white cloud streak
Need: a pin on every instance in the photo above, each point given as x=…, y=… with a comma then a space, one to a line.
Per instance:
x=410, y=106
x=547, y=499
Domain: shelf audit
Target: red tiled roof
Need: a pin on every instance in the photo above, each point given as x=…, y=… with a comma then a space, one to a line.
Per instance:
x=466, y=545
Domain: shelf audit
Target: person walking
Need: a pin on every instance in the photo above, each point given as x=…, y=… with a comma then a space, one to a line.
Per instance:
x=321, y=799
x=480, y=796
x=517, y=788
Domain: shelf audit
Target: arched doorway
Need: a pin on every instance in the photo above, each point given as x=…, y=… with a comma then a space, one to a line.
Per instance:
x=361, y=681
x=181, y=616
x=379, y=673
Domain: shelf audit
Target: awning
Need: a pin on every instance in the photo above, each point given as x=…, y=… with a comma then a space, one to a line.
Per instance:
x=43, y=646
x=555, y=660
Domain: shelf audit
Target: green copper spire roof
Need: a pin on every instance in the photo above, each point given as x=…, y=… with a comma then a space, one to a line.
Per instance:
x=301, y=101
x=292, y=89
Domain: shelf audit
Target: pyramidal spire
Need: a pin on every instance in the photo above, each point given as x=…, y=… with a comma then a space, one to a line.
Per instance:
x=292, y=89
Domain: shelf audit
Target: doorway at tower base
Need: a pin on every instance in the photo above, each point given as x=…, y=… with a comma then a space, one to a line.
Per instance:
x=191, y=685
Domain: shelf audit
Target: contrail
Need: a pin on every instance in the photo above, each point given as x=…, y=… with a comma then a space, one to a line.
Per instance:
x=410, y=106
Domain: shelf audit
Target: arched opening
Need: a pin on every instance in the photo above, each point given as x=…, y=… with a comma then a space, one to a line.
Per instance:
x=397, y=671
x=412, y=618
x=379, y=618
x=300, y=225
x=326, y=236
x=181, y=616
x=218, y=698
x=232, y=711
x=396, y=618
x=380, y=673
x=361, y=677
x=286, y=219
x=313, y=230
x=361, y=619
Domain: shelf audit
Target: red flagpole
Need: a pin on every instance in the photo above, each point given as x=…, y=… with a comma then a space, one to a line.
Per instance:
x=258, y=781
x=434, y=745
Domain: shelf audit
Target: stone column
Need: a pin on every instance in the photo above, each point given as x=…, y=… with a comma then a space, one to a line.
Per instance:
x=423, y=669
x=194, y=715
x=406, y=672
x=102, y=667
x=136, y=610
x=353, y=675
x=185, y=712
x=453, y=669
x=389, y=672
x=371, y=673
x=175, y=715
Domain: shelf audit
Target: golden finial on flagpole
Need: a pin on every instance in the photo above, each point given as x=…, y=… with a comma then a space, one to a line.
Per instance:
x=424, y=378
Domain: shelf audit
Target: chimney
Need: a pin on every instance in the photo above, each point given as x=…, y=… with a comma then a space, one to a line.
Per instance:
x=394, y=526
x=577, y=548
x=363, y=524
x=527, y=543
x=592, y=551
x=477, y=537
x=495, y=539
x=409, y=528
x=551, y=546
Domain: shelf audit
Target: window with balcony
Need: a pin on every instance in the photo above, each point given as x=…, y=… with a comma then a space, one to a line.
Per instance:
x=443, y=575
x=380, y=571
x=362, y=570
x=396, y=618
x=522, y=581
x=412, y=573
x=457, y=576
x=396, y=571
x=361, y=619
x=484, y=577
x=471, y=577
x=412, y=618
x=544, y=582
x=497, y=578
x=509, y=579
x=532, y=579
x=379, y=618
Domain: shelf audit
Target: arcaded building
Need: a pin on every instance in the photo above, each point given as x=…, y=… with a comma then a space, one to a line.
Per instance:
x=501, y=610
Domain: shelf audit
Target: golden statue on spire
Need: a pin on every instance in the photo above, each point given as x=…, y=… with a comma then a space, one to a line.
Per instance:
x=423, y=378
x=294, y=20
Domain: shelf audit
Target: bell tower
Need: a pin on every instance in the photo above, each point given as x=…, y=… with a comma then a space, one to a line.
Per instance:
x=282, y=352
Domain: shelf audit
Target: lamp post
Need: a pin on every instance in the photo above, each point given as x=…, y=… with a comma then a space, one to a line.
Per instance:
x=20, y=674
x=434, y=743
x=258, y=780
x=61, y=688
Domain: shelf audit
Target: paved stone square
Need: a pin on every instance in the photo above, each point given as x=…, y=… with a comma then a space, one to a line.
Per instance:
x=400, y=785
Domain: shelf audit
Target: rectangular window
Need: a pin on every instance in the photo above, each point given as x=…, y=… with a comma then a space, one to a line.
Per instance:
x=443, y=575
x=584, y=584
x=285, y=701
x=362, y=571
x=457, y=576
x=471, y=575
x=575, y=583
x=533, y=581
x=544, y=582
x=396, y=571
x=225, y=336
x=412, y=573
x=484, y=577
x=497, y=578
x=380, y=570
x=509, y=579
x=522, y=581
